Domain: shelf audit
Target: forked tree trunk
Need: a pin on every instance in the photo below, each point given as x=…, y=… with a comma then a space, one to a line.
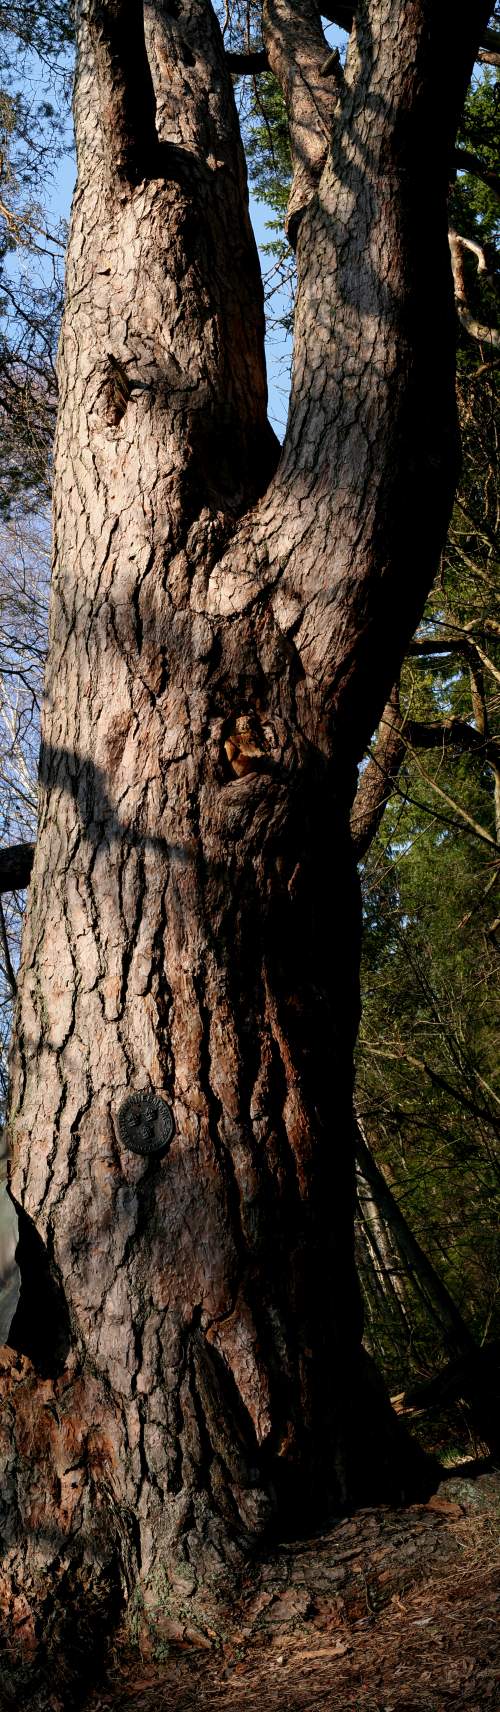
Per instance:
x=223, y=635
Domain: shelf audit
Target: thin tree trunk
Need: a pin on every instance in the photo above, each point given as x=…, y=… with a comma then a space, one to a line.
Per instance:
x=222, y=640
x=437, y=1300
x=476, y=1369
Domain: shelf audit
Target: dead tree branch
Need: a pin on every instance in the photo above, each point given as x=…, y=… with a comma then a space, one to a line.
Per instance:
x=476, y=329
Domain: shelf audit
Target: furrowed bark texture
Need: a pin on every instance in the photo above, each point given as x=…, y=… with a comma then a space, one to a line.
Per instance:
x=223, y=637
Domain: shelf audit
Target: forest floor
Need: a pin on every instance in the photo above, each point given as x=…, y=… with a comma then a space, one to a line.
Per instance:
x=388, y=1611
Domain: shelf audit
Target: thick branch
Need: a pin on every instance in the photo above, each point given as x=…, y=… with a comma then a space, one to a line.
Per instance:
x=126, y=98
x=471, y=648
x=342, y=16
x=483, y=334
x=297, y=51
x=15, y=867
x=425, y=646
x=372, y=419
x=377, y=781
x=396, y=737
x=451, y=734
x=466, y=162
x=247, y=64
x=488, y=58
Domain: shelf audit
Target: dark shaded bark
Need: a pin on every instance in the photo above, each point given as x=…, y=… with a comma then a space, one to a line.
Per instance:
x=16, y=864
x=224, y=631
x=247, y=64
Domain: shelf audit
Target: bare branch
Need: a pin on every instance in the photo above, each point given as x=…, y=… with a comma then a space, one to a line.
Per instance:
x=487, y=58
x=451, y=734
x=476, y=250
x=331, y=66
x=435, y=1293
x=490, y=667
x=474, y=825
x=4, y=942
x=475, y=328
x=440, y=1081
x=462, y=643
x=478, y=697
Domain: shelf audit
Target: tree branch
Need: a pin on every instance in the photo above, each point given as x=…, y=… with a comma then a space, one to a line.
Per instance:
x=397, y=737
x=247, y=64
x=491, y=39
x=422, y=1065
x=451, y=734
x=418, y=1265
x=457, y=645
x=475, y=328
x=488, y=58
x=423, y=646
x=466, y=162
x=4, y=942
x=342, y=16
x=297, y=51
x=378, y=778
x=480, y=831
x=15, y=867
x=126, y=96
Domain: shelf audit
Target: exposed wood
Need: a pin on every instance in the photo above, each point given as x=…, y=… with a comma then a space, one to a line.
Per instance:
x=487, y=57
x=485, y=335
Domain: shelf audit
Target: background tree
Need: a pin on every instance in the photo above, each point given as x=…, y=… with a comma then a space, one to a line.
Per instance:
x=427, y=1066
x=225, y=629
x=34, y=64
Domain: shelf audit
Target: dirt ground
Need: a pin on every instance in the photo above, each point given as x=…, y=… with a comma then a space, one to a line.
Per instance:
x=390, y=1611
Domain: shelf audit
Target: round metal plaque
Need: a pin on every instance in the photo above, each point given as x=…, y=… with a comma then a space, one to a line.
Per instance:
x=145, y=1122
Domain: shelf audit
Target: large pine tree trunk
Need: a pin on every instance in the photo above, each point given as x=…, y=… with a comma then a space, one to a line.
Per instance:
x=223, y=635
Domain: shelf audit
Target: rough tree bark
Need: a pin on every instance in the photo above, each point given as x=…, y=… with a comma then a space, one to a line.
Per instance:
x=226, y=625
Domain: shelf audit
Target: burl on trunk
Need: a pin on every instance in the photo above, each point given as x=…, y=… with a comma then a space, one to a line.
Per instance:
x=227, y=619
